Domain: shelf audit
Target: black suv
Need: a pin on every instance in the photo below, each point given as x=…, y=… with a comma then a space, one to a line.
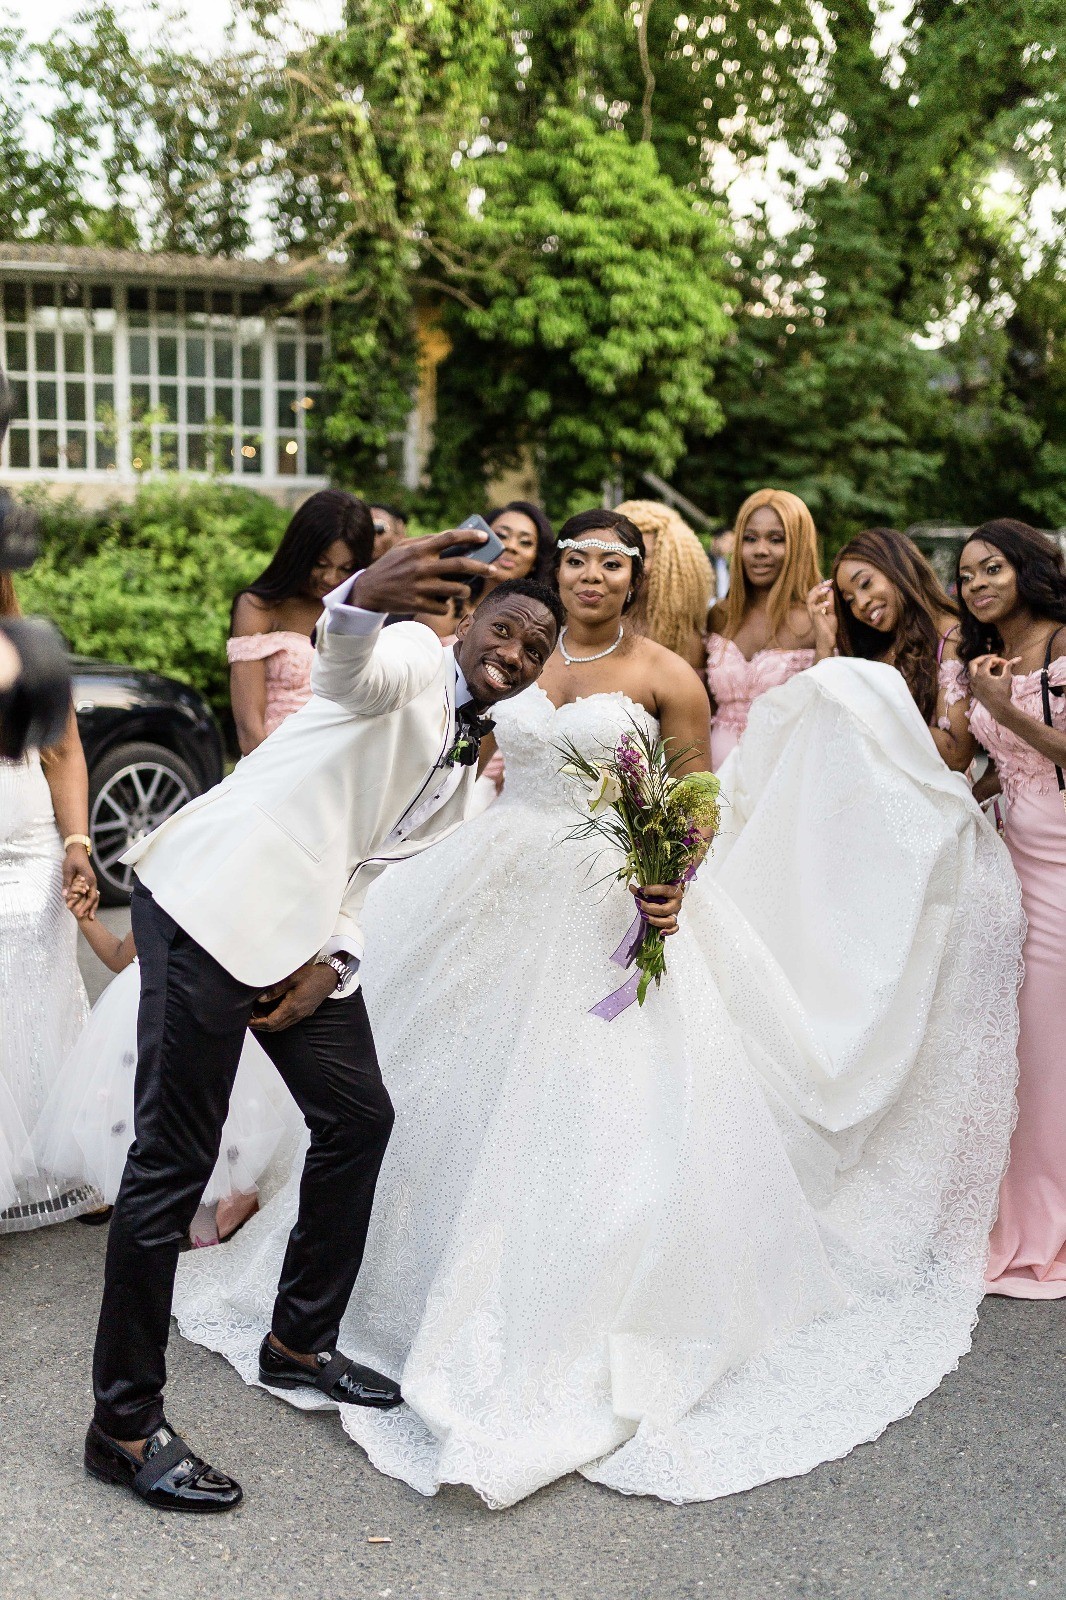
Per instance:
x=151, y=744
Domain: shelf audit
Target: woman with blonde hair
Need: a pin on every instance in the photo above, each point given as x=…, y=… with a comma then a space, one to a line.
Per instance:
x=672, y=607
x=761, y=633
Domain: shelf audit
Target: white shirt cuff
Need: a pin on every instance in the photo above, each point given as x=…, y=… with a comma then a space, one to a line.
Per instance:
x=335, y=947
x=343, y=618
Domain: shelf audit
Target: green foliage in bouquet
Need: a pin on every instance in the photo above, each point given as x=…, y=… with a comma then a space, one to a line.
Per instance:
x=660, y=825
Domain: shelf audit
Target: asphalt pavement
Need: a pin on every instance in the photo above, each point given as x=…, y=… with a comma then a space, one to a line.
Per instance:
x=962, y=1500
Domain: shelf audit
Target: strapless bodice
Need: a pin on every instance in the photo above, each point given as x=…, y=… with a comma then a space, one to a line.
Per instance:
x=530, y=728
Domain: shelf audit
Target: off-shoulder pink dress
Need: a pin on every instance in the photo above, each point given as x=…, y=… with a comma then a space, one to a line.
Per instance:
x=1028, y=1254
x=735, y=682
x=288, y=658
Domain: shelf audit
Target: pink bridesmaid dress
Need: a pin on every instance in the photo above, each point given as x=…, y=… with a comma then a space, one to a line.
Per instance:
x=288, y=658
x=1028, y=1250
x=735, y=682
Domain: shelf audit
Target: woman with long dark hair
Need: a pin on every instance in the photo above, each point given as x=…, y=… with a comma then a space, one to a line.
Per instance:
x=44, y=868
x=330, y=537
x=528, y=543
x=1012, y=584
x=761, y=634
x=885, y=603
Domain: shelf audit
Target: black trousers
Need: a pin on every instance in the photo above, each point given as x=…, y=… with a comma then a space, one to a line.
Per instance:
x=190, y=1031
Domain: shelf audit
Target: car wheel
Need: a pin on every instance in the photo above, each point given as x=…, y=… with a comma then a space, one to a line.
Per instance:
x=131, y=791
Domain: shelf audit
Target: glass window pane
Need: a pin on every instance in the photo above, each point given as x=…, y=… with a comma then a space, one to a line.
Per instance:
x=47, y=400
x=21, y=396
x=313, y=358
x=44, y=345
x=168, y=357
x=316, y=466
x=224, y=404
x=100, y=297
x=166, y=302
x=15, y=302
x=288, y=458
x=196, y=403
x=137, y=301
x=73, y=352
x=251, y=453
x=43, y=294
x=249, y=361
x=168, y=400
x=19, y=447
x=139, y=353
x=195, y=302
x=251, y=414
x=140, y=398
x=75, y=402
x=223, y=359
x=75, y=452
x=288, y=412
x=195, y=357
x=48, y=448
x=103, y=353
x=105, y=452
x=16, y=352
x=166, y=453
x=103, y=398
x=286, y=361
x=196, y=446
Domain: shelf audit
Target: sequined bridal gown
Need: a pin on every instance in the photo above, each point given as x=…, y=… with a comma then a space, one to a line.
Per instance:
x=43, y=1005
x=725, y=1237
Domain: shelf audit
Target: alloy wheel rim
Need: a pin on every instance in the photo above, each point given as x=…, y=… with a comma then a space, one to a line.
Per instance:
x=132, y=802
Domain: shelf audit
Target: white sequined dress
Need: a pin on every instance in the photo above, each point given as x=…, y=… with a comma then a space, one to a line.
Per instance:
x=43, y=1005
x=720, y=1239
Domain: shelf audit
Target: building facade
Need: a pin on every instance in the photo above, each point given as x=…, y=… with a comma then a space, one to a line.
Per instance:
x=126, y=364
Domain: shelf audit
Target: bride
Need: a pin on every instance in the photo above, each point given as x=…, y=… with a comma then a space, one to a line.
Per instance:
x=729, y=1235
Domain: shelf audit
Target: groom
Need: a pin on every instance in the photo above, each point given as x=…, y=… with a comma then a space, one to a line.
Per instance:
x=247, y=911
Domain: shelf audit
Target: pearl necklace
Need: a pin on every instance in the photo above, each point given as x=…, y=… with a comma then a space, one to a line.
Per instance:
x=576, y=660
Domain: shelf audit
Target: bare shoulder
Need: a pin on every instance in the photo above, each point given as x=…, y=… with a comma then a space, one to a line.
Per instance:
x=951, y=636
x=251, y=615
x=674, y=681
x=716, y=617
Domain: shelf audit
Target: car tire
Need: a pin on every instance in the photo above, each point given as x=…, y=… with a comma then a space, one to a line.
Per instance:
x=132, y=789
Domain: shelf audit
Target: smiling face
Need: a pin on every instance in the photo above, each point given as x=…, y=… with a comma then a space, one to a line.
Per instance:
x=988, y=584
x=503, y=646
x=763, y=548
x=332, y=567
x=518, y=534
x=870, y=596
x=594, y=584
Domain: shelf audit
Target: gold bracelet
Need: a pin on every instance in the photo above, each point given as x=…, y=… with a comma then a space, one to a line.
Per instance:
x=78, y=838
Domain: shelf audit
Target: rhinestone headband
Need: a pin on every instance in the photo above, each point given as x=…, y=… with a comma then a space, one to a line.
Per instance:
x=599, y=544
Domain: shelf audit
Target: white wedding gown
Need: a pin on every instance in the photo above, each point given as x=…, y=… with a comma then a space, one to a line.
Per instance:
x=720, y=1239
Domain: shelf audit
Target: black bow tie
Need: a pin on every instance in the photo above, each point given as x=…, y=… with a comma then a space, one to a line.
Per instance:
x=470, y=728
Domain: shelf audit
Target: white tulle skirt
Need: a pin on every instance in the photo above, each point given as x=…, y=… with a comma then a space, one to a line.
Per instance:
x=86, y=1127
x=722, y=1238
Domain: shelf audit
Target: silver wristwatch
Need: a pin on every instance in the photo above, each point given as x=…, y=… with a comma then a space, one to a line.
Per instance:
x=345, y=969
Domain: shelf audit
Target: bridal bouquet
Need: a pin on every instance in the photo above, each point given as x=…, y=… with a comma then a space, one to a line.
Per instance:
x=659, y=824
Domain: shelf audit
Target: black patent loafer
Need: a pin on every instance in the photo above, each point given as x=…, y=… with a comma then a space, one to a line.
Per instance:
x=342, y=1380
x=170, y=1478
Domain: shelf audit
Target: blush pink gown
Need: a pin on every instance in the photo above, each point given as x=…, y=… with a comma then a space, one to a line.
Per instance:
x=1028, y=1253
x=288, y=658
x=735, y=682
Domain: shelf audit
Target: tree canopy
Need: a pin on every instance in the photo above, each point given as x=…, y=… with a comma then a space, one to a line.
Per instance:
x=756, y=242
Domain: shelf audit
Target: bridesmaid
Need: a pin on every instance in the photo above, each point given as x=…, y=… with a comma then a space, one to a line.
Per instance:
x=1012, y=583
x=761, y=633
x=885, y=603
x=270, y=650
x=679, y=581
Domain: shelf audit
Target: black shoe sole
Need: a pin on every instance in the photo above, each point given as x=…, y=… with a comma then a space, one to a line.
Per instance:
x=271, y=1380
x=103, y=1472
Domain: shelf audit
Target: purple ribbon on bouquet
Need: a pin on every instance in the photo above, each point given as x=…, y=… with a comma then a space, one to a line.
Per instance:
x=612, y=1005
x=619, y=1000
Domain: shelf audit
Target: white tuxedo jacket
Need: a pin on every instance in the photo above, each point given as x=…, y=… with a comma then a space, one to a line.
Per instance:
x=274, y=863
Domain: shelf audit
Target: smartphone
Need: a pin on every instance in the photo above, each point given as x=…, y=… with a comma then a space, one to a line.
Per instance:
x=488, y=552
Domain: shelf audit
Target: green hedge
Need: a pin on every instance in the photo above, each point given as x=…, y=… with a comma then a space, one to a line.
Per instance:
x=151, y=582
